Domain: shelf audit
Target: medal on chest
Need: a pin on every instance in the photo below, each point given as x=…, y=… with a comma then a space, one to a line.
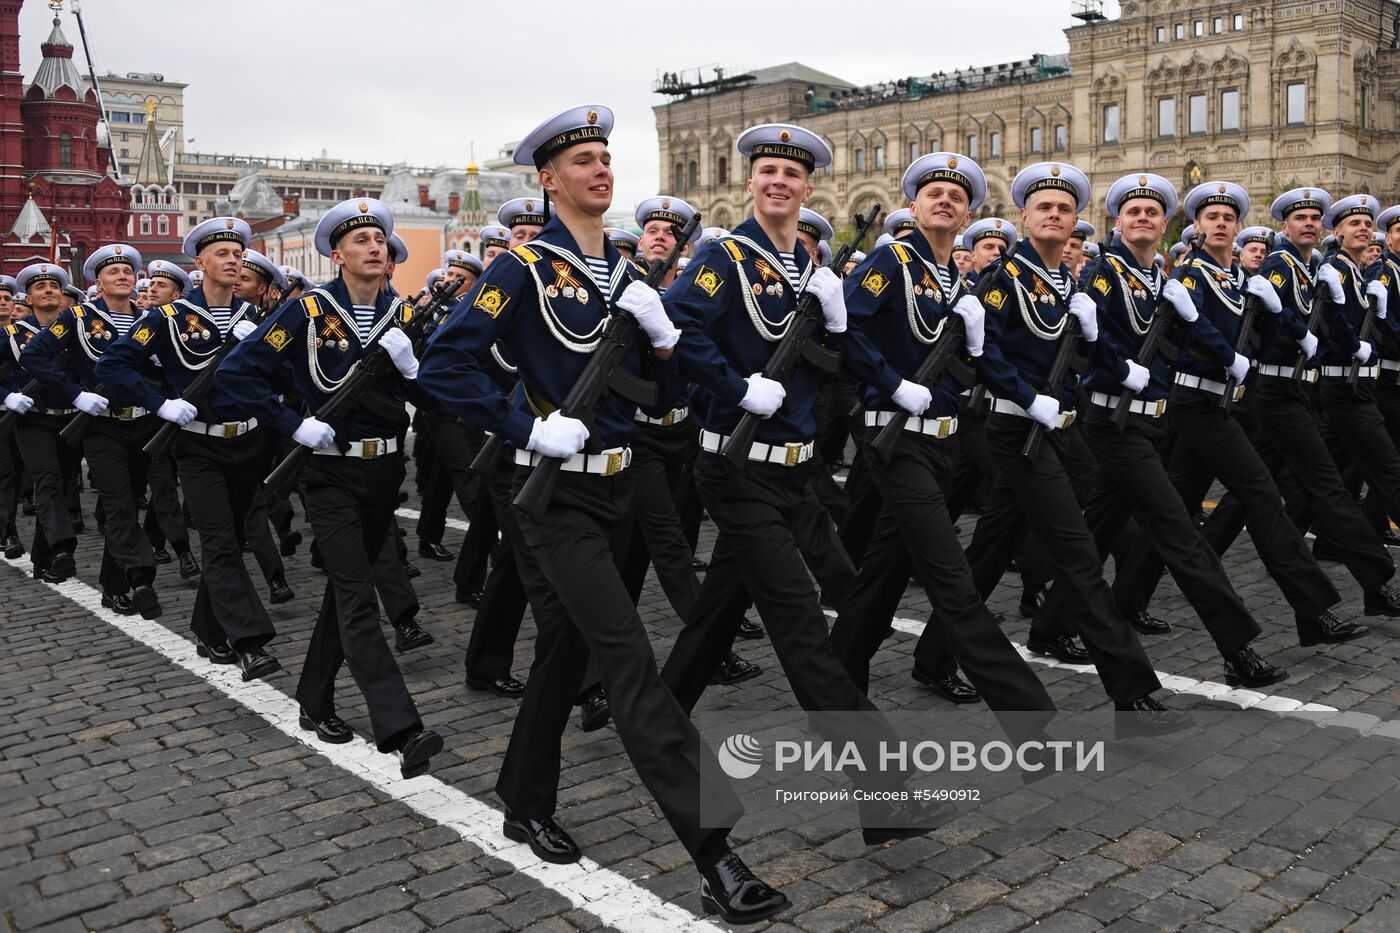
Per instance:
x=566, y=283
x=194, y=328
x=332, y=335
x=97, y=329
x=767, y=274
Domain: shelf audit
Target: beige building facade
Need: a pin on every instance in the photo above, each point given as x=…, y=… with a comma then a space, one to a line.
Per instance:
x=1269, y=94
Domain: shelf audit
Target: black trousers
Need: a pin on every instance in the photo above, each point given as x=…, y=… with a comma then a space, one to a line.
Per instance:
x=446, y=471
x=53, y=468
x=1048, y=508
x=397, y=597
x=481, y=539
x=491, y=648
x=659, y=457
x=113, y=451
x=1134, y=485
x=582, y=610
x=220, y=478
x=350, y=503
x=11, y=468
x=1357, y=422
x=1211, y=444
x=1290, y=439
x=914, y=533
x=165, y=502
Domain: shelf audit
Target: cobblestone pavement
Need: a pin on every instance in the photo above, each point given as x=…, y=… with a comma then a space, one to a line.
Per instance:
x=142, y=789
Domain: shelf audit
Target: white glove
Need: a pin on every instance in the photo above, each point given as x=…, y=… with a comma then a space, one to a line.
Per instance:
x=1239, y=368
x=912, y=397
x=1137, y=377
x=1045, y=410
x=18, y=402
x=974, y=322
x=90, y=403
x=314, y=433
x=1083, y=307
x=642, y=302
x=827, y=287
x=1363, y=353
x=557, y=436
x=177, y=410
x=1379, y=294
x=1308, y=345
x=1180, y=299
x=1261, y=289
x=764, y=395
x=400, y=349
x=243, y=329
x=1328, y=274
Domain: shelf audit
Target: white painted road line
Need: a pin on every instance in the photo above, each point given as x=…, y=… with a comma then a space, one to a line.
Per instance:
x=449, y=522
x=615, y=900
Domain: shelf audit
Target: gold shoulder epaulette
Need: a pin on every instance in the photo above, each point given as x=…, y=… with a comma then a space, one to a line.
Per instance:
x=168, y=310
x=77, y=311
x=525, y=254
x=312, y=306
x=905, y=254
x=735, y=253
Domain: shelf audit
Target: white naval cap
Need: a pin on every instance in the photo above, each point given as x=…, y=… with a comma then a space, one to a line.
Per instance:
x=398, y=249
x=1187, y=233
x=143, y=284
x=1329, y=241
x=8, y=284
x=197, y=277
x=900, y=220
x=708, y=234
x=883, y=240
x=1178, y=250
x=462, y=260
x=256, y=261
x=1388, y=218
x=1091, y=249
x=350, y=215
x=1161, y=260
x=77, y=294
x=583, y=124
x=622, y=239
x=495, y=235
x=1053, y=176
x=519, y=211
x=857, y=257
x=1255, y=234
x=1298, y=199
x=784, y=141
x=664, y=207
x=1378, y=237
x=1216, y=192
x=168, y=270
x=111, y=255
x=1350, y=207
x=814, y=225
x=434, y=277
x=823, y=253
x=946, y=166
x=1083, y=230
x=217, y=229
x=295, y=277
x=1141, y=185
x=960, y=243
x=41, y=272
x=990, y=226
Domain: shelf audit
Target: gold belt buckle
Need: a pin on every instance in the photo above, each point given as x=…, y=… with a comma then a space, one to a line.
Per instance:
x=1161, y=407
x=1068, y=418
x=370, y=449
x=793, y=455
x=1238, y=394
x=614, y=464
x=668, y=419
x=944, y=424
x=230, y=429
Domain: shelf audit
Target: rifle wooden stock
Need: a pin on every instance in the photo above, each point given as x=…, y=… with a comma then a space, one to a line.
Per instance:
x=791, y=350
x=7, y=422
x=374, y=364
x=599, y=374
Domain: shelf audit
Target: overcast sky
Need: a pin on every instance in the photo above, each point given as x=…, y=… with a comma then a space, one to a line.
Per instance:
x=421, y=81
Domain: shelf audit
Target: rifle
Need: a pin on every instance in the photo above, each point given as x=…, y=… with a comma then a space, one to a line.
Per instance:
x=1251, y=311
x=797, y=344
x=602, y=372
x=1368, y=327
x=195, y=392
x=7, y=422
x=1063, y=355
x=77, y=427
x=1156, y=333
x=931, y=369
x=375, y=363
x=1321, y=293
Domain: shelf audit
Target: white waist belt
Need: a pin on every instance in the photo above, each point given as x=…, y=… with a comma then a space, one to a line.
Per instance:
x=367, y=449
x=674, y=416
x=1207, y=385
x=782, y=454
x=1391, y=365
x=945, y=426
x=125, y=414
x=1007, y=407
x=221, y=429
x=58, y=412
x=1137, y=406
x=608, y=463
x=1336, y=372
x=1286, y=372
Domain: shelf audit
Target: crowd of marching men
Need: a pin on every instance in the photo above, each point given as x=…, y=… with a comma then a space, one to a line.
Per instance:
x=590, y=396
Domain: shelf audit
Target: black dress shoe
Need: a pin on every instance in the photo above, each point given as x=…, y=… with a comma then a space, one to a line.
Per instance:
x=1327, y=629
x=410, y=635
x=332, y=729
x=885, y=820
x=1145, y=623
x=120, y=603
x=750, y=630
x=1244, y=668
x=257, y=663
x=288, y=544
x=1384, y=601
x=189, y=567
x=162, y=556
x=75, y=518
x=506, y=686
x=145, y=601
x=1148, y=717
x=546, y=838
x=61, y=567
x=735, y=670
x=13, y=548
x=411, y=570
x=434, y=551
x=1031, y=603
x=596, y=711
x=1061, y=648
x=26, y=505
x=218, y=654
x=416, y=753
x=952, y=688
x=730, y=889
x=279, y=592
x=469, y=597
